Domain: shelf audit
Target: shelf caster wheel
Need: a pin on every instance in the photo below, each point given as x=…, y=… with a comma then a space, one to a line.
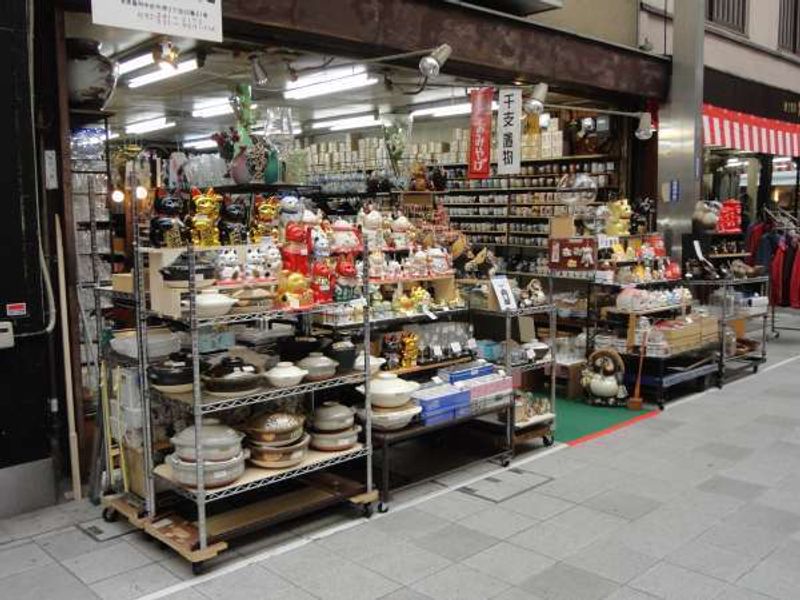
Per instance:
x=368, y=510
x=548, y=440
x=755, y=368
x=198, y=568
x=505, y=462
x=661, y=406
x=110, y=515
x=383, y=508
x=776, y=334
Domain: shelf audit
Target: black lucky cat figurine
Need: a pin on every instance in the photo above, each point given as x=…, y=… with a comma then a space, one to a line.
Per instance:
x=167, y=229
x=233, y=222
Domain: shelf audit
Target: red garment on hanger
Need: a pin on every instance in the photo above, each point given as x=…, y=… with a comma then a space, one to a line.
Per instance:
x=794, y=294
x=776, y=274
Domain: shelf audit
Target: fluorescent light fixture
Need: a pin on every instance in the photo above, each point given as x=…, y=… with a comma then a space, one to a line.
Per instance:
x=331, y=123
x=149, y=125
x=135, y=63
x=203, y=144
x=331, y=81
x=112, y=135
x=342, y=111
x=448, y=110
x=356, y=124
x=214, y=108
x=186, y=66
x=782, y=159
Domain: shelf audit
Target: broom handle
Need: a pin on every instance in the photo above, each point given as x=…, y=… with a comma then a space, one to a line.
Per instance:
x=642, y=352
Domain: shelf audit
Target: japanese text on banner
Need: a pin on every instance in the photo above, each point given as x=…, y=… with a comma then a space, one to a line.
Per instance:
x=198, y=19
x=480, y=133
x=509, y=131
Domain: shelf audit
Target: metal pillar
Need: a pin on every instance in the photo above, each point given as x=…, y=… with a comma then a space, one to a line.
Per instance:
x=680, y=135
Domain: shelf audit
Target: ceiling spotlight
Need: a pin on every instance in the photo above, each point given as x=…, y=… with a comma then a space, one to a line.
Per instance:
x=141, y=192
x=118, y=196
x=257, y=71
x=535, y=104
x=432, y=63
x=645, y=129
x=166, y=55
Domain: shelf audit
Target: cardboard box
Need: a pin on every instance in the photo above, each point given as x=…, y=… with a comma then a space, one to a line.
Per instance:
x=562, y=227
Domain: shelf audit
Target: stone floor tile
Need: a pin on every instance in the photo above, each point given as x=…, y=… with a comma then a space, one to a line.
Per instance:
x=748, y=541
x=292, y=565
x=247, y=583
x=565, y=582
x=498, y=522
x=405, y=594
x=712, y=560
x=732, y=487
x=772, y=579
x=106, y=562
x=676, y=583
x=765, y=517
x=70, y=543
x=557, y=464
x=134, y=584
x=581, y=518
x=456, y=542
x=454, y=506
x=22, y=558
x=405, y=562
x=51, y=581
x=727, y=451
x=536, y=505
x=357, y=543
x=622, y=504
x=509, y=563
x=409, y=523
x=626, y=593
x=554, y=540
x=36, y=523
x=460, y=582
x=347, y=581
x=188, y=594
x=739, y=593
x=612, y=560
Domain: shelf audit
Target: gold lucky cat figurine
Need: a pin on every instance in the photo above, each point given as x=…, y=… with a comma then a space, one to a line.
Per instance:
x=264, y=222
x=204, y=218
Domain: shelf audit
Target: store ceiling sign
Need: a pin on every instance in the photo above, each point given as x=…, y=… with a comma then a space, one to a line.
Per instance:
x=509, y=131
x=741, y=131
x=480, y=133
x=198, y=19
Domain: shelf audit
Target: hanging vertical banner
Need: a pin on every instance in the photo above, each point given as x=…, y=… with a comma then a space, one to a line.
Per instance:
x=480, y=133
x=198, y=19
x=509, y=131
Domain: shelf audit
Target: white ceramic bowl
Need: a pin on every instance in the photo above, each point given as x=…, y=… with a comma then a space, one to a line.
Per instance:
x=394, y=419
x=375, y=363
x=387, y=390
x=285, y=374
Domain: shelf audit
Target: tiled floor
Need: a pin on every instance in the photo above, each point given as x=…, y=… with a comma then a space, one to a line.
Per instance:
x=700, y=503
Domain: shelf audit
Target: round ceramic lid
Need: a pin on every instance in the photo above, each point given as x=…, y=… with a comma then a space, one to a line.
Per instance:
x=214, y=434
x=275, y=422
x=332, y=410
x=390, y=383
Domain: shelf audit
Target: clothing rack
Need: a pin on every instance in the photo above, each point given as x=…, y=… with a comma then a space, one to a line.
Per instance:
x=786, y=222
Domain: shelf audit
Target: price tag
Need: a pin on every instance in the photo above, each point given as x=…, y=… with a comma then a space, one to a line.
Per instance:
x=472, y=344
x=294, y=302
x=429, y=314
x=437, y=351
x=456, y=347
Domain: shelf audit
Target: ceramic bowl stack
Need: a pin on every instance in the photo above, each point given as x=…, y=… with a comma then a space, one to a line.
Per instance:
x=277, y=440
x=223, y=457
x=390, y=398
x=334, y=428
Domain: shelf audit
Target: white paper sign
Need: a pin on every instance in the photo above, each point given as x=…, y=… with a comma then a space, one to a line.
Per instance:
x=509, y=131
x=198, y=19
x=502, y=289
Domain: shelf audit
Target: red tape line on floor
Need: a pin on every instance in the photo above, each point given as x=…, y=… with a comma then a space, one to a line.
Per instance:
x=613, y=428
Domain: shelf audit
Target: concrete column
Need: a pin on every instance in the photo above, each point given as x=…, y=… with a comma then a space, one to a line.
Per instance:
x=680, y=135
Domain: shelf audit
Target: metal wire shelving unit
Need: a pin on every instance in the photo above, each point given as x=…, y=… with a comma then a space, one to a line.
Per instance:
x=203, y=535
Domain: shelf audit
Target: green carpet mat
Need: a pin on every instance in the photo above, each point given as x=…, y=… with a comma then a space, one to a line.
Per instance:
x=575, y=419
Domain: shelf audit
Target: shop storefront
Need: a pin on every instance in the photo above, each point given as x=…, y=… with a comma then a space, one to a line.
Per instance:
x=314, y=261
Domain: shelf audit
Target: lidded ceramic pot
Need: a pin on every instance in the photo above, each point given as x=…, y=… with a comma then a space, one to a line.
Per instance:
x=387, y=390
x=285, y=374
x=318, y=366
x=219, y=442
x=332, y=416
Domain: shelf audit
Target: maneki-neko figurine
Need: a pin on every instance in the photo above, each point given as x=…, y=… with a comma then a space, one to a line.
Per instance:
x=167, y=230
x=345, y=238
x=293, y=290
x=344, y=288
x=295, y=248
x=322, y=282
x=265, y=219
x=232, y=223
x=205, y=215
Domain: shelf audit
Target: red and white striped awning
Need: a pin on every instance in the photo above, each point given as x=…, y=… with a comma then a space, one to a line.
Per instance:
x=741, y=131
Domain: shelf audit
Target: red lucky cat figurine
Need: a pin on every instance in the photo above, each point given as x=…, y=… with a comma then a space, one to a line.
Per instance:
x=322, y=282
x=295, y=248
